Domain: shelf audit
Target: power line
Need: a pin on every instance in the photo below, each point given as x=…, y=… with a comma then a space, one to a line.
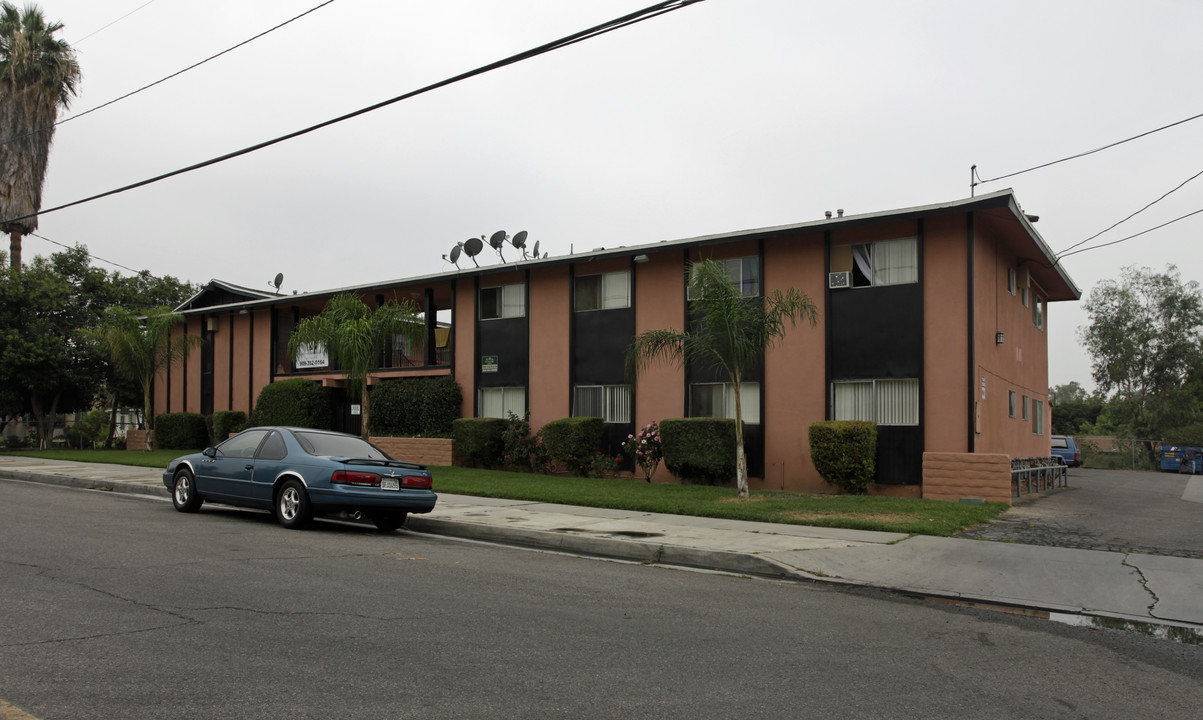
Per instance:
x=1146, y=207
x=975, y=179
x=1142, y=232
x=94, y=257
x=165, y=79
x=606, y=27
x=131, y=12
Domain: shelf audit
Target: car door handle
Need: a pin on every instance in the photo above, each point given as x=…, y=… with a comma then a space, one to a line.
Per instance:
x=249, y=466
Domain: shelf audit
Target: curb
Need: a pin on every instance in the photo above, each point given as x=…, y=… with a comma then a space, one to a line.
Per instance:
x=82, y=484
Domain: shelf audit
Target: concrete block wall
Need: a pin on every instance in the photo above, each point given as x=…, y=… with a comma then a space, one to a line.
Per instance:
x=426, y=451
x=952, y=476
x=136, y=440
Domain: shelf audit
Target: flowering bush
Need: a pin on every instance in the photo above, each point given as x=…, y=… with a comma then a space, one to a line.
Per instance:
x=522, y=451
x=602, y=465
x=644, y=446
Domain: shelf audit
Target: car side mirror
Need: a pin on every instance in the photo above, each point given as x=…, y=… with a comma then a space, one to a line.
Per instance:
x=210, y=452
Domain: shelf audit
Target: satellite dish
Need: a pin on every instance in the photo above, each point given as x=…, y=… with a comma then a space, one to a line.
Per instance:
x=277, y=282
x=455, y=252
x=472, y=248
x=536, y=251
x=497, y=239
x=519, y=241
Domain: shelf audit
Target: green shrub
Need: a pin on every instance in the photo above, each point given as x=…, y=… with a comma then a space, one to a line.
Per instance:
x=479, y=439
x=699, y=450
x=415, y=407
x=574, y=442
x=296, y=403
x=226, y=422
x=181, y=431
x=522, y=451
x=89, y=430
x=845, y=453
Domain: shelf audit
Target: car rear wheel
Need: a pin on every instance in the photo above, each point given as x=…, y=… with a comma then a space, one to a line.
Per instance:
x=292, y=507
x=387, y=521
x=184, y=496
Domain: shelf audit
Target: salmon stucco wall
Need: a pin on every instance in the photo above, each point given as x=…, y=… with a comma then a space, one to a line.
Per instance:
x=945, y=335
x=794, y=369
x=660, y=305
x=550, y=316
x=463, y=325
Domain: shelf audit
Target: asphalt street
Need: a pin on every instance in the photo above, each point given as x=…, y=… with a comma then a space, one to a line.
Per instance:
x=118, y=606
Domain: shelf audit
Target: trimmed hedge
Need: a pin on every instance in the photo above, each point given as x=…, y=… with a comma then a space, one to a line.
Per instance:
x=415, y=407
x=226, y=422
x=699, y=450
x=181, y=431
x=845, y=453
x=296, y=403
x=479, y=440
x=574, y=442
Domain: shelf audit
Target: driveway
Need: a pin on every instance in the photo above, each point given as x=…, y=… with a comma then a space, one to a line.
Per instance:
x=1114, y=510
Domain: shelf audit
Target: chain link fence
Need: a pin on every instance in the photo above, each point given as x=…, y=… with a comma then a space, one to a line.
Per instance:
x=1113, y=453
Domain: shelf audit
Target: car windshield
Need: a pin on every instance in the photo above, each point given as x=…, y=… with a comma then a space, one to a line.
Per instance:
x=325, y=445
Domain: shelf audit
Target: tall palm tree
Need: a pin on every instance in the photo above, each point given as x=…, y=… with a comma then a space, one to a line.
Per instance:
x=38, y=73
x=355, y=337
x=142, y=347
x=730, y=332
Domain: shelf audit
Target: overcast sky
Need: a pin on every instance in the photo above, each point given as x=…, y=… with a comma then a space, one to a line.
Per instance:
x=722, y=116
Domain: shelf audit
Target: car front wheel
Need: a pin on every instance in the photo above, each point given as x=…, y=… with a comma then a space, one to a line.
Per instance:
x=292, y=505
x=184, y=496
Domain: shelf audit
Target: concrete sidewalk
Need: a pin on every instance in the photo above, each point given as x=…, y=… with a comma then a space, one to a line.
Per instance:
x=1089, y=586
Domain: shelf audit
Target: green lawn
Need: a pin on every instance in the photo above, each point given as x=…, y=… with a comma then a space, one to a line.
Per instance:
x=920, y=517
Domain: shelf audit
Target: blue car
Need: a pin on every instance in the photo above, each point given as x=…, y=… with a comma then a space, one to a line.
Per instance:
x=298, y=473
x=1066, y=448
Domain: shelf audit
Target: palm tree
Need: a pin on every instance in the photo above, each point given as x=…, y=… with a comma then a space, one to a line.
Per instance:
x=730, y=332
x=355, y=337
x=38, y=73
x=142, y=347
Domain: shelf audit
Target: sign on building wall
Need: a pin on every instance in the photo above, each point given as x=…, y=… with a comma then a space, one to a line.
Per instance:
x=312, y=355
x=488, y=363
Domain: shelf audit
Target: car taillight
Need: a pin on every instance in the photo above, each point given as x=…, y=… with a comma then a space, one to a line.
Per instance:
x=415, y=481
x=354, y=477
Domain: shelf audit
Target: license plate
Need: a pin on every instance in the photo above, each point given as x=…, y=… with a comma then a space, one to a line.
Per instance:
x=390, y=484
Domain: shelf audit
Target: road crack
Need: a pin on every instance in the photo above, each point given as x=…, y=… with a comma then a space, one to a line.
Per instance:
x=1144, y=583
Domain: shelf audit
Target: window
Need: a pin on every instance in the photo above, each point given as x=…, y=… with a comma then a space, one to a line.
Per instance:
x=506, y=301
x=242, y=445
x=717, y=400
x=1011, y=281
x=1038, y=312
x=499, y=402
x=1025, y=407
x=885, y=402
x=1011, y=402
x=612, y=403
x=889, y=262
x=744, y=272
x=1037, y=417
x=273, y=447
x=603, y=292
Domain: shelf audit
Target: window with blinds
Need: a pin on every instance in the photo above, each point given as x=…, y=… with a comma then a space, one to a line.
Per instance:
x=612, y=403
x=499, y=402
x=718, y=400
x=885, y=401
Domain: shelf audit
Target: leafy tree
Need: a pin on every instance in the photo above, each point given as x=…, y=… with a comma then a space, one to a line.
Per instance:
x=355, y=338
x=49, y=363
x=1073, y=408
x=141, y=348
x=1144, y=337
x=729, y=334
x=38, y=73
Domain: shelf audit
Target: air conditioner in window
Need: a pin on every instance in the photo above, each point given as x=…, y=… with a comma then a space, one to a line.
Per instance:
x=839, y=280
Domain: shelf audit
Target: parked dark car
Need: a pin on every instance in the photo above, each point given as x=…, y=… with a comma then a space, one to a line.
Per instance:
x=1066, y=448
x=298, y=473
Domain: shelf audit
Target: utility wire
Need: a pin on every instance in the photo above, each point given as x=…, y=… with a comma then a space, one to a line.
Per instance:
x=1142, y=232
x=162, y=80
x=1146, y=207
x=94, y=257
x=606, y=27
x=981, y=181
x=131, y=12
